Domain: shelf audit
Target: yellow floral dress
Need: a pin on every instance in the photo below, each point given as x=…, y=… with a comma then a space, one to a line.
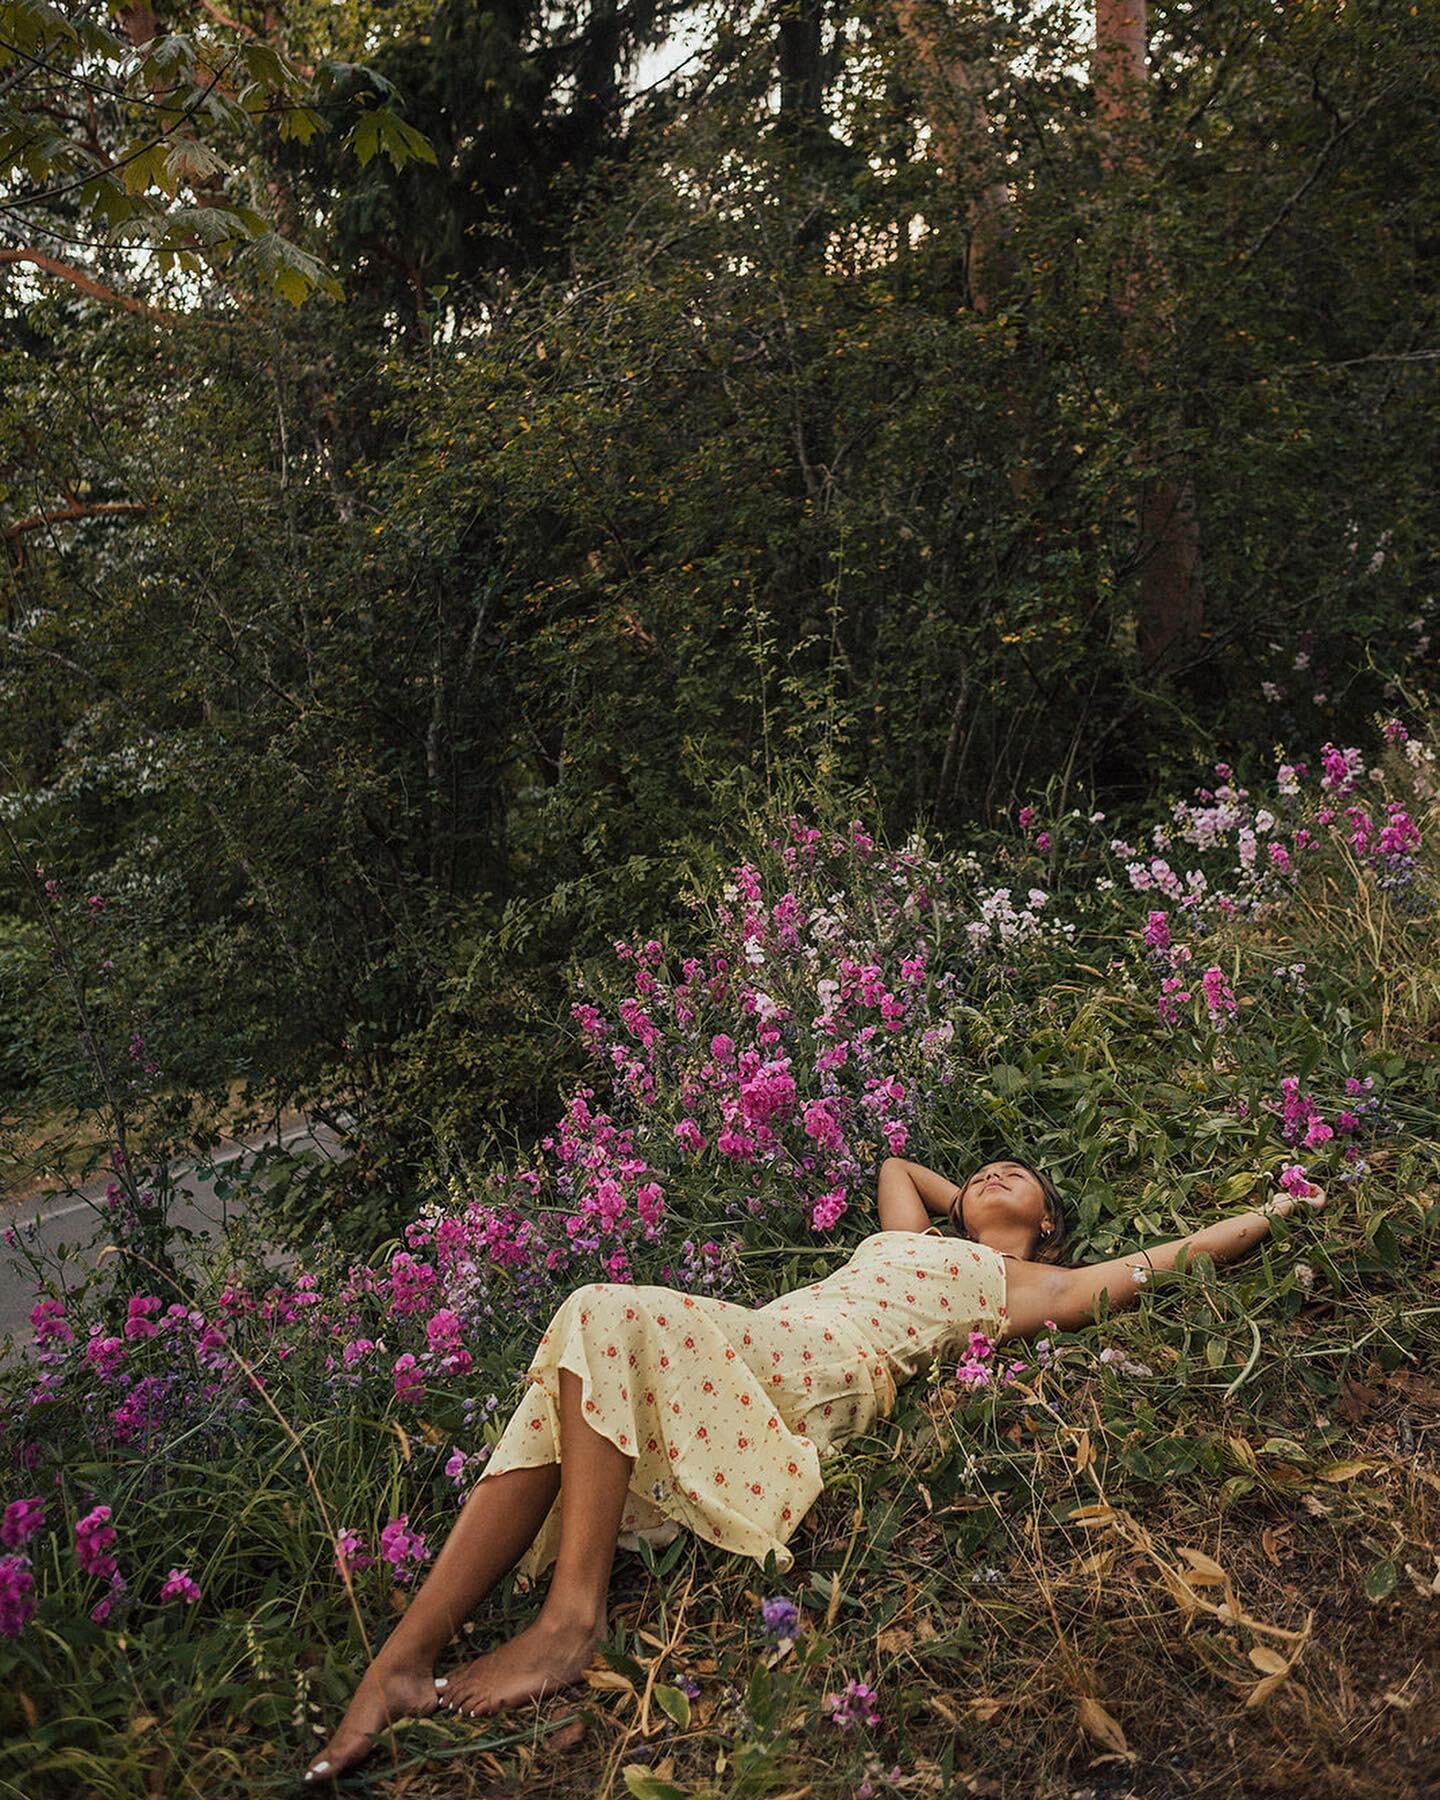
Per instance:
x=729, y=1409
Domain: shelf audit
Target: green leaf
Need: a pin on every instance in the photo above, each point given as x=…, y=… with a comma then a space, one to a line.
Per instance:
x=626, y=1665
x=674, y=1703
x=1236, y=1187
x=302, y=124
x=365, y=137
x=646, y=1786
x=1380, y=1582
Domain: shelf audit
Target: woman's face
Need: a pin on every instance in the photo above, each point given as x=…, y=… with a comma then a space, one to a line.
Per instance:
x=1002, y=1193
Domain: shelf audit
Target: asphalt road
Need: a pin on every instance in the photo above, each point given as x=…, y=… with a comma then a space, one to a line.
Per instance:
x=69, y=1220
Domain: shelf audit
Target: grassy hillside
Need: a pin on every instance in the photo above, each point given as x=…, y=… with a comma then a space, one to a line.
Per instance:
x=1193, y=1549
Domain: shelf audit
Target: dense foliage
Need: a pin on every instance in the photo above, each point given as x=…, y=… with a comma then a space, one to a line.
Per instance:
x=421, y=650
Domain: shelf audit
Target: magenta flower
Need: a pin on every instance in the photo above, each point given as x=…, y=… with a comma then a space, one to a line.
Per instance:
x=48, y=1318
x=138, y=1323
x=94, y=1534
x=105, y=1354
x=23, y=1518
x=100, y=1611
x=827, y=1209
x=179, y=1586
x=853, y=1705
x=402, y=1548
x=1173, y=995
x=408, y=1382
x=1219, y=1000
x=351, y=1556
x=17, y=1595
x=443, y=1331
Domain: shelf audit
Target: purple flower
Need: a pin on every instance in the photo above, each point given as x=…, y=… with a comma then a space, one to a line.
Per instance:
x=782, y=1617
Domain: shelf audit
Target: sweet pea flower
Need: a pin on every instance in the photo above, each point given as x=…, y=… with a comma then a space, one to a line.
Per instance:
x=23, y=1518
x=853, y=1705
x=179, y=1586
x=782, y=1617
x=404, y=1549
x=17, y=1595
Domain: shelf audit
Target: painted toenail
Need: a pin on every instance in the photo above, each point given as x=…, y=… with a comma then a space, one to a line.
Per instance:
x=442, y=1681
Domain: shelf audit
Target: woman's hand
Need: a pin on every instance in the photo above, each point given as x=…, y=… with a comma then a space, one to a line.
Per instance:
x=1314, y=1196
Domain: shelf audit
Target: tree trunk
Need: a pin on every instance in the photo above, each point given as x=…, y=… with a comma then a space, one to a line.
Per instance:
x=1171, y=601
x=961, y=131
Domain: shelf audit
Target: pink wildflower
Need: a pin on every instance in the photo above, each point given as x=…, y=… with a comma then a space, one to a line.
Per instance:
x=23, y=1518
x=853, y=1705
x=350, y=1553
x=403, y=1548
x=408, y=1382
x=17, y=1595
x=179, y=1586
x=94, y=1534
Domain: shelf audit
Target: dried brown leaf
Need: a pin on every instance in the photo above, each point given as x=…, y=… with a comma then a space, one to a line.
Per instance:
x=1356, y=1401
x=1342, y=1471
x=1262, y=1690
x=1204, y=1570
x=609, y=1681
x=1098, y=1724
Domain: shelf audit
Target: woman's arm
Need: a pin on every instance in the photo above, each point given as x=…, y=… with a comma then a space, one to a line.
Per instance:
x=1069, y=1296
x=909, y=1193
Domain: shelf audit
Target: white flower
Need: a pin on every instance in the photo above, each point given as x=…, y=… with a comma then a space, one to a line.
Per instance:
x=1139, y=1275
x=1037, y=897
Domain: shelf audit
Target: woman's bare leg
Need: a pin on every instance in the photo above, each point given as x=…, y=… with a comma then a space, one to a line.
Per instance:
x=559, y=1645
x=496, y=1526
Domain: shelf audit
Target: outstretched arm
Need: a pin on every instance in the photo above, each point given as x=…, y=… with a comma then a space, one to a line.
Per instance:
x=1069, y=1297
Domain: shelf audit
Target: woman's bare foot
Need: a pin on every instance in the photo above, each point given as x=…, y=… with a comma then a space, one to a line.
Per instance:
x=548, y=1655
x=384, y=1695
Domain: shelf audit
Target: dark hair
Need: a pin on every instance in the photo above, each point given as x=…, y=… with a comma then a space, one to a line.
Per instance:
x=1051, y=1245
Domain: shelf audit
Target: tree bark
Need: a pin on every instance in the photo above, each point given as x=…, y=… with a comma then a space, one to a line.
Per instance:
x=962, y=133
x=1170, y=610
